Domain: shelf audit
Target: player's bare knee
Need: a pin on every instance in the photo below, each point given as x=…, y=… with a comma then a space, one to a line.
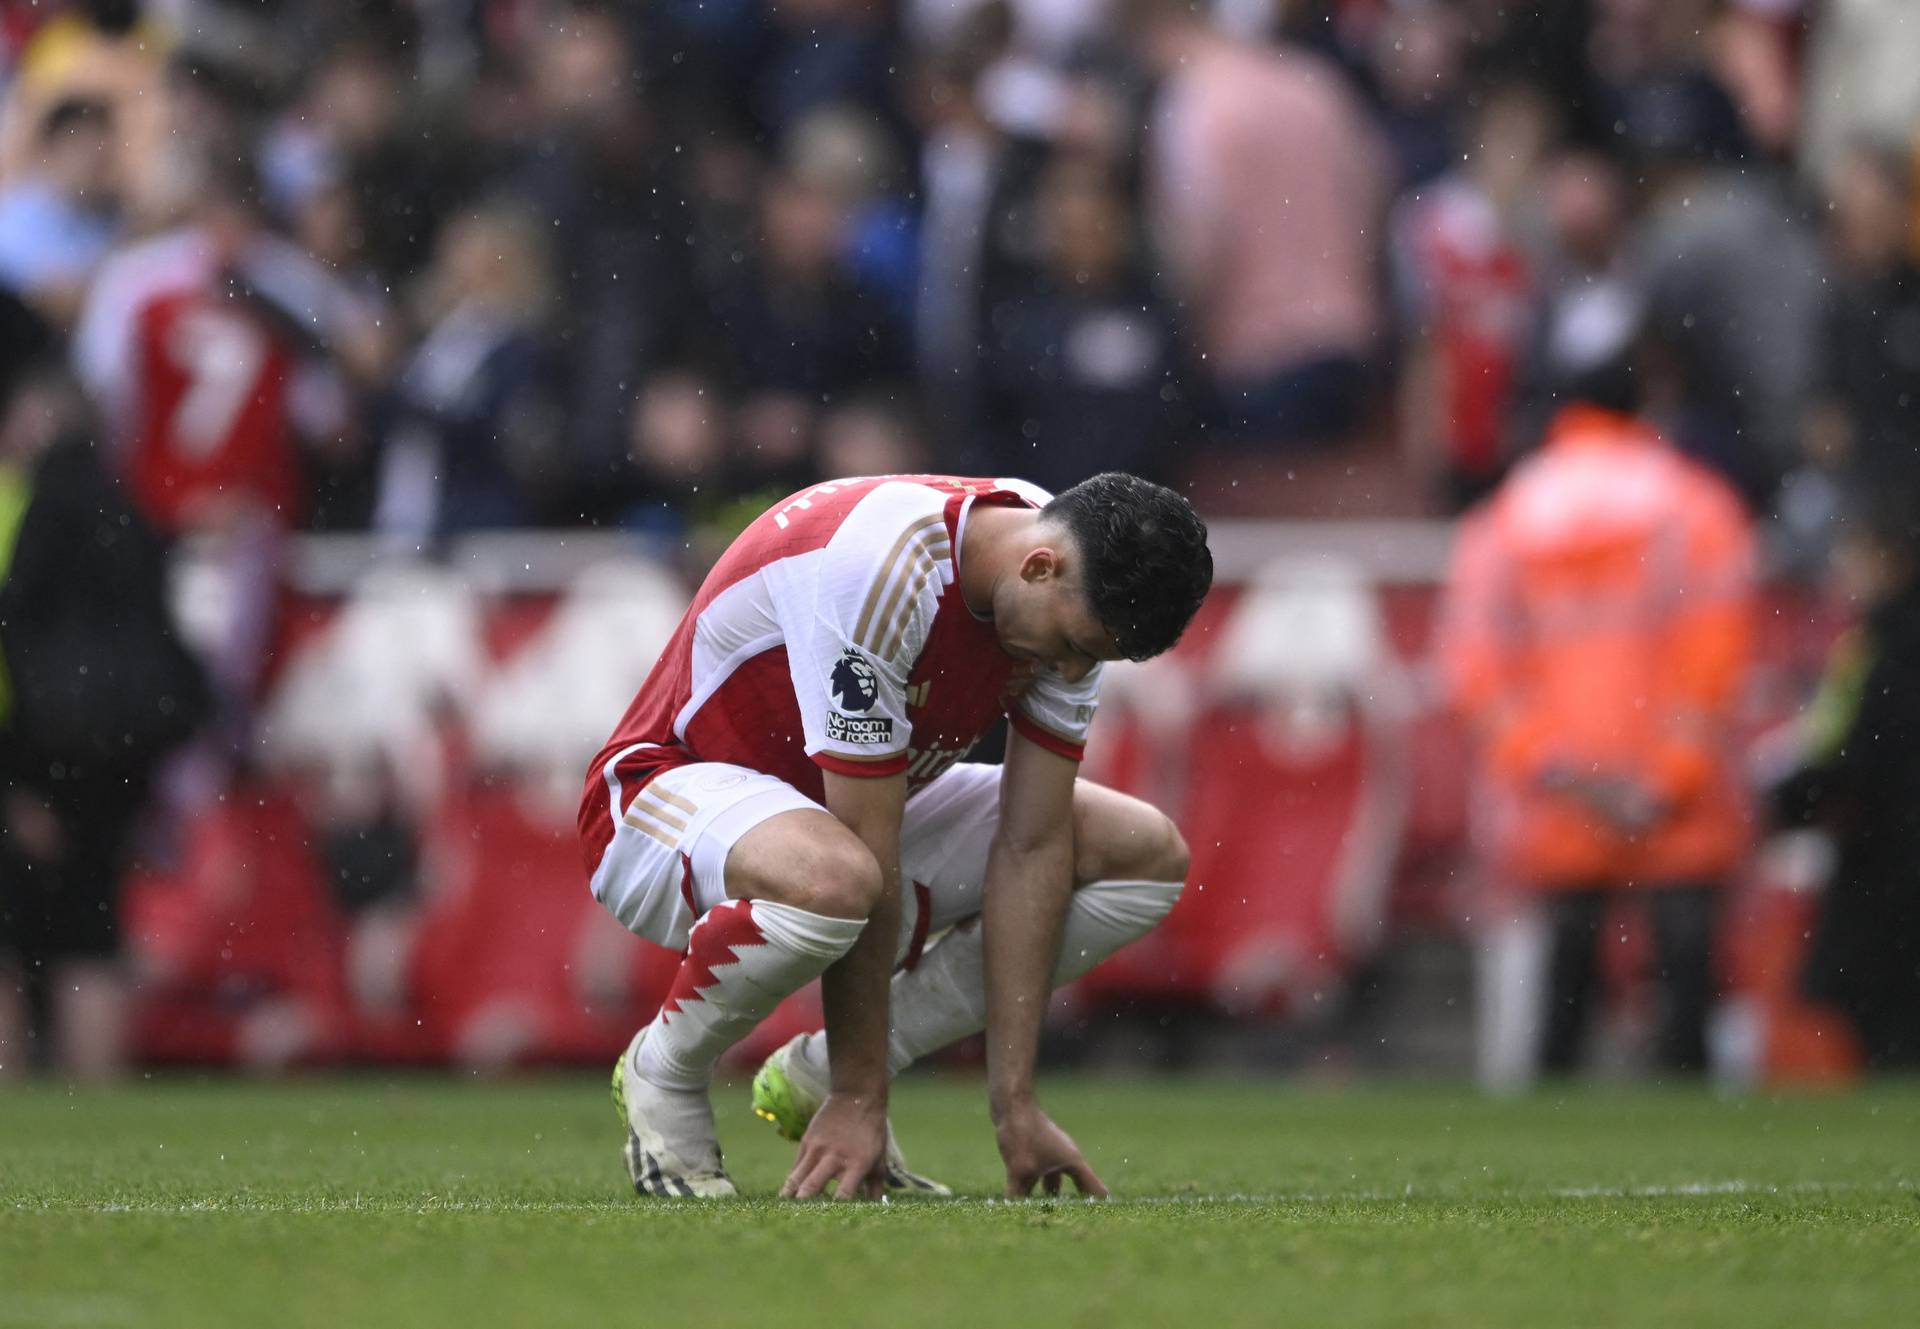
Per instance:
x=807, y=860
x=842, y=880
x=1123, y=839
x=1170, y=858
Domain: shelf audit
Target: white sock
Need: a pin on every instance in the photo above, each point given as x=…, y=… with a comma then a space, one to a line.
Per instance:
x=944, y=997
x=743, y=958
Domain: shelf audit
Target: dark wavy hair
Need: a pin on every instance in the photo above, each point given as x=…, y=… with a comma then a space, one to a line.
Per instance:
x=1145, y=550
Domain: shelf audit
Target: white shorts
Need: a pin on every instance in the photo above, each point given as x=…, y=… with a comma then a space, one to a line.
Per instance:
x=666, y=864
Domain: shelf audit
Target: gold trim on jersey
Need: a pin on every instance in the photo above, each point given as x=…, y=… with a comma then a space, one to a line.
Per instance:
x=922, y=544
x=887, y=565
x=904, y=619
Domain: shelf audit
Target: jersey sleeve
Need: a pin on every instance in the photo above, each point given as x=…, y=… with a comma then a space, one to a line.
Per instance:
x=852, y=641
x=1056, y=714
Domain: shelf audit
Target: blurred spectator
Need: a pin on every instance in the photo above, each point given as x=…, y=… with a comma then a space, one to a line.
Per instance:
x=192, y=344
x=1597, y=636
x=1859, y=82
x=96, y=688
x=1659, y=72
x=1733, y=281
x=228, y=69
x=593, y=167
x=473, y=432
x=1754, y=47
x=356, y=139
x=1266, y=189
x=1858, y=771
x=1590, y=297
x=1419, y=52
x=1554, y=46
x=1080, y=368
x=189, y=343
x=872, y=435
x=960, y=161
x=678, y=453
x=1868, y=387
x=792, y=317
x=848, y=154
x=101, y=52
x=824, y=53
x=1468, y=289
x=58, y=215
x=794, y=331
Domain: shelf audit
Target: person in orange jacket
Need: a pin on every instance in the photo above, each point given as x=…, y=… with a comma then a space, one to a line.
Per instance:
x=1596, y=634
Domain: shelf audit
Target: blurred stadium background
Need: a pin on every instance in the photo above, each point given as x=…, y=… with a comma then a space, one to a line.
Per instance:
x=443, y=343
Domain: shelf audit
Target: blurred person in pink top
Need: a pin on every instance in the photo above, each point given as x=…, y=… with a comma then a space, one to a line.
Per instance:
x=1266, y=186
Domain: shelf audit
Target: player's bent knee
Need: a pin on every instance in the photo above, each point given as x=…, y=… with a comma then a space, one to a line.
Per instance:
x=807, y=860
x=847, y=882
x=1121, y=838
x=1170, y=859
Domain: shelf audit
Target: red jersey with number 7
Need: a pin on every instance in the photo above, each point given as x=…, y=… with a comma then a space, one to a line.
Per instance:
x=195, y=382
x=212, y=422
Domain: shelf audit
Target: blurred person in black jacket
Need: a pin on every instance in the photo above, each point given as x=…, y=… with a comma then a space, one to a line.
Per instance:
x=1868, y=373
x=595, y=164
x=1080, y=365
x=1859, y=768
x=95, y=689
x=795, y=331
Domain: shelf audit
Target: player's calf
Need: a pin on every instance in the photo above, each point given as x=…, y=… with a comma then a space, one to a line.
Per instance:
x=804, y=887
x=743, y=958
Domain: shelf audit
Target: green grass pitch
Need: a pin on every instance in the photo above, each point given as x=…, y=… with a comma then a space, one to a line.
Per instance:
x=374, y=1202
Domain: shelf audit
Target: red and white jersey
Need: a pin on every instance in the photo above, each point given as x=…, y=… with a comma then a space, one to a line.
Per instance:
x=195, y=384
x=1472, y=290
x=832, y=636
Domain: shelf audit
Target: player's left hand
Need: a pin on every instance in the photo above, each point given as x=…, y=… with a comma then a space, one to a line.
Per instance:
x=1036, y=1150
x=846, y=1146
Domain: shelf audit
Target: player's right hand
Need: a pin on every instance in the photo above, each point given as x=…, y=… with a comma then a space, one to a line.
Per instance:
x=845, y=1147
x=1037, y=1151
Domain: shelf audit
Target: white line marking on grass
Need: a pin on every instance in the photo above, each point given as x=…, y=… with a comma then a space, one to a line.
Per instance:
x=432, y=1205
x=1654, y=1192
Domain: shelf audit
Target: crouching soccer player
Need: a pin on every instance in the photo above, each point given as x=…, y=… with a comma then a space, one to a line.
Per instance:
x=785, y=799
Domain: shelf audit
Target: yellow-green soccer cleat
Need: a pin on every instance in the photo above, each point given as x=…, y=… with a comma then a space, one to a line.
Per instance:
x=671, y=1147
x=787, y=1094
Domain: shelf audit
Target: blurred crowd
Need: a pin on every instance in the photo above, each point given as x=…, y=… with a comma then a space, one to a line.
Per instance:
x=429, y=266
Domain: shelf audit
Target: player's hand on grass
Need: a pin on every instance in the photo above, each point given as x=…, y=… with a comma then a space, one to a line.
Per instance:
x=1037, y=1151
x=845, y=1147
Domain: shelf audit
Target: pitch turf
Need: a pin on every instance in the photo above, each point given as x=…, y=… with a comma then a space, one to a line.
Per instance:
x=443, y=1202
